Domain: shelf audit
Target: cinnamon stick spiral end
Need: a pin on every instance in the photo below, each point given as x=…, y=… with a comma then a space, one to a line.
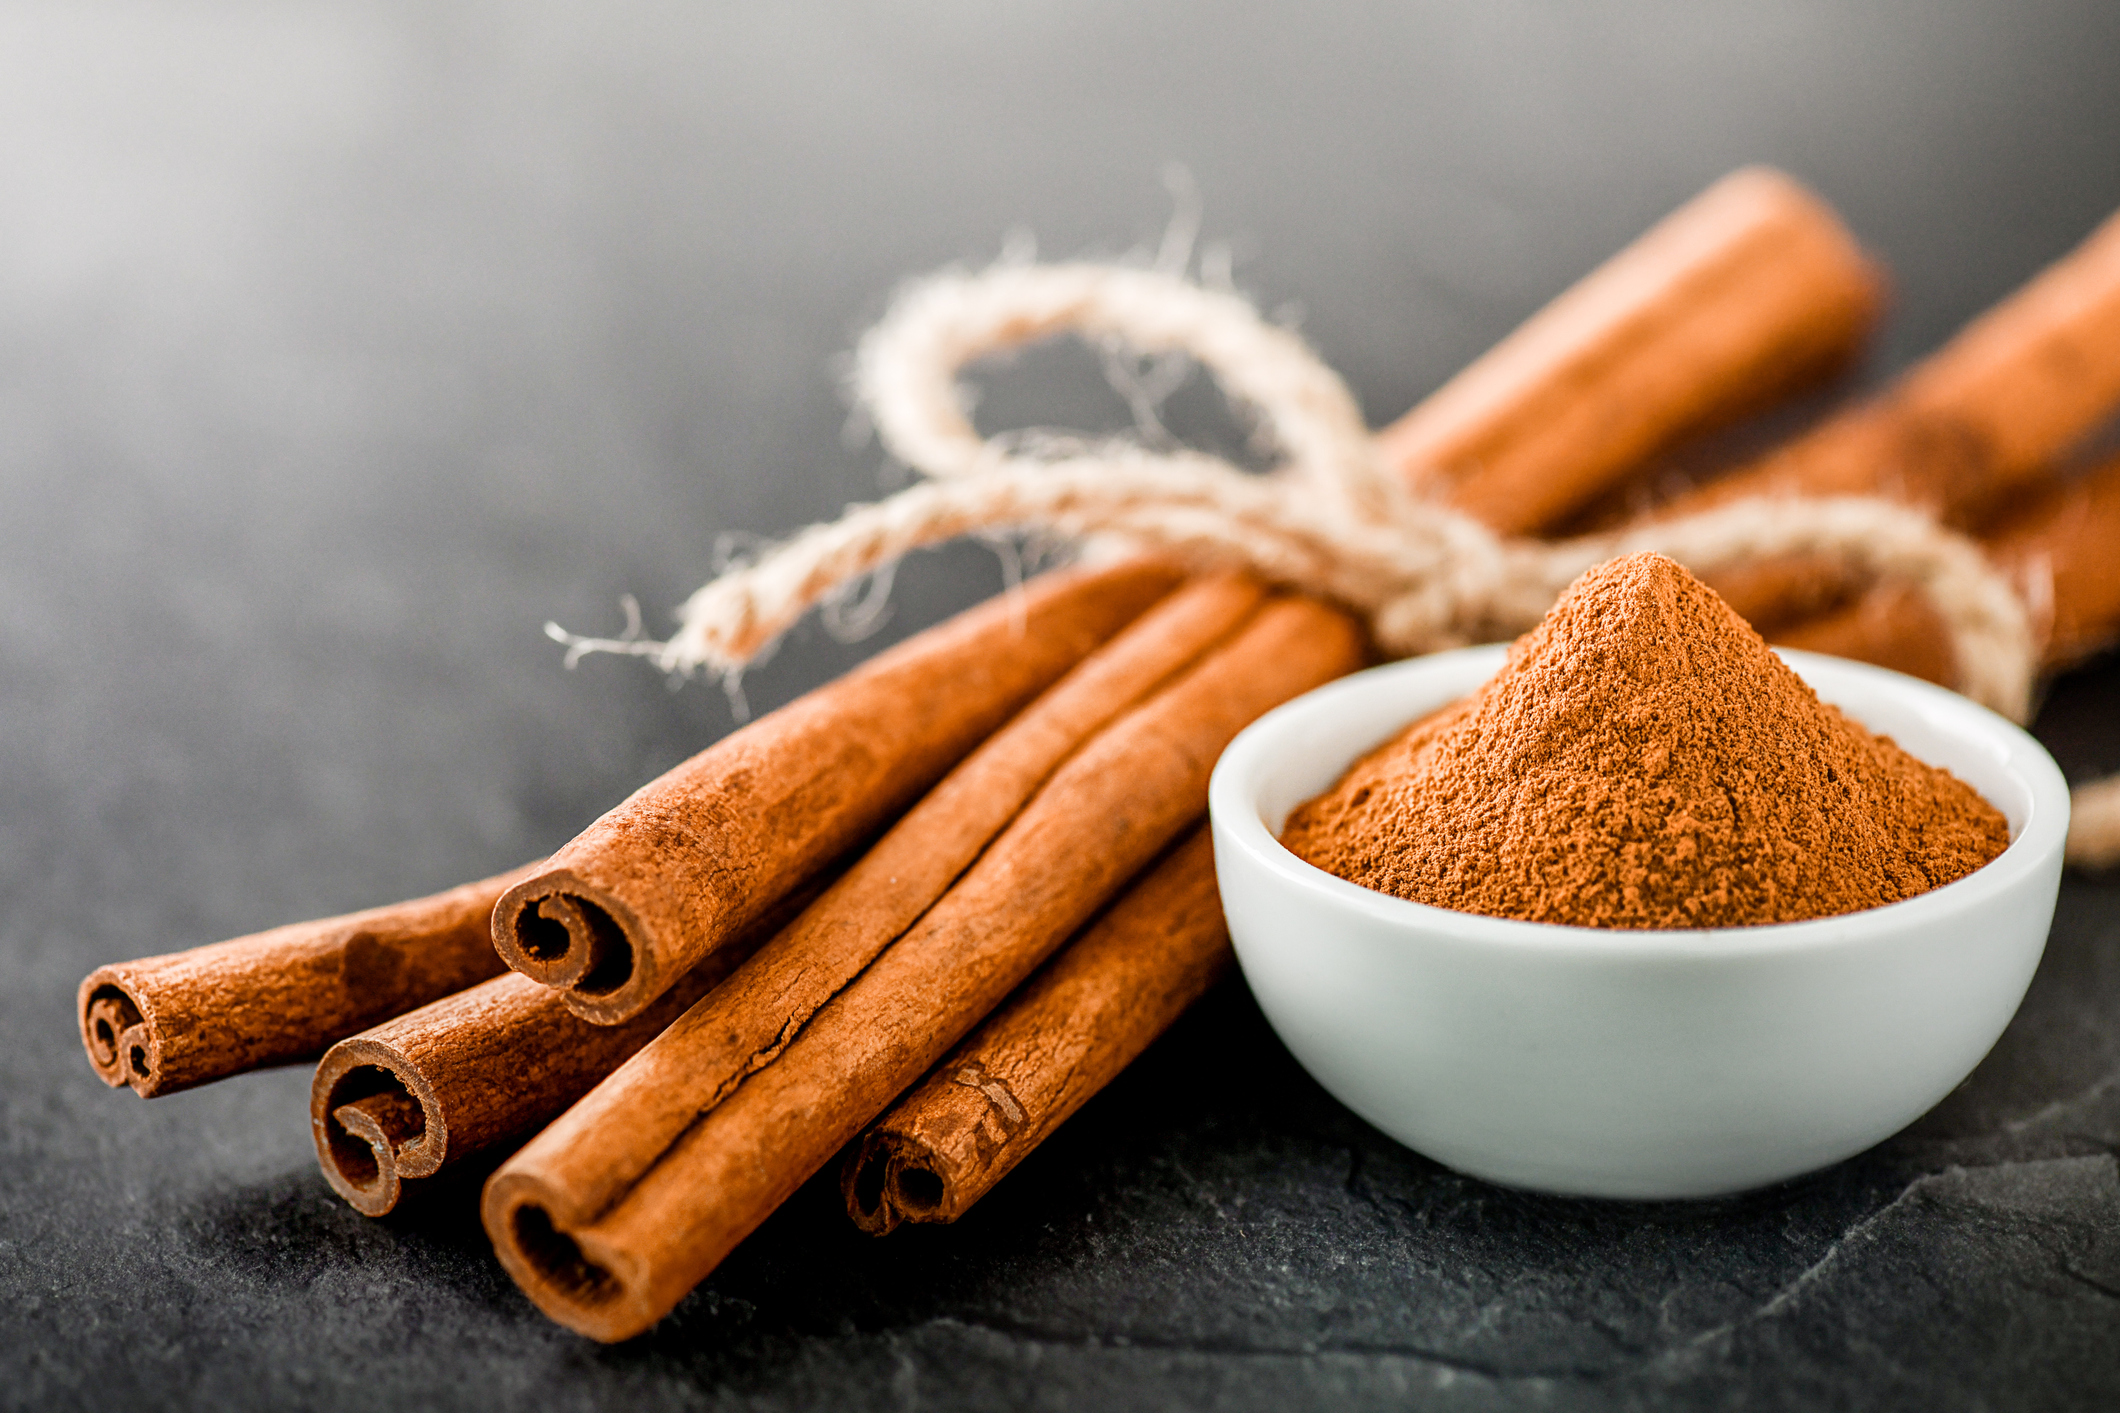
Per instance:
x=119, y=1034
x=377, y=1124
x=888, y=1179
x=592, y=1287
x=557, y=929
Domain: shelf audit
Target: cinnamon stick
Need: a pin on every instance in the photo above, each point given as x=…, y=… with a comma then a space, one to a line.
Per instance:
x=1087, y=1015
x=460, y=1076
x=471, y=1071
x=1982, y=419
x=610, y=1215
x=1893, y=625
x=398, y=1103
x=1072, y=1028
x=1740, y=295
x=2063, y=547
x=161, y=1024
x=1988, y=413
x=696, y=856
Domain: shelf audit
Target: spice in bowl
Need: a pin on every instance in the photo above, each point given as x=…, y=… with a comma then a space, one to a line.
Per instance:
x=1644, y=760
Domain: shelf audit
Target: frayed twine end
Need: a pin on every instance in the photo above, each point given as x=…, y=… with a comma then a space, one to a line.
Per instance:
x=630, y=642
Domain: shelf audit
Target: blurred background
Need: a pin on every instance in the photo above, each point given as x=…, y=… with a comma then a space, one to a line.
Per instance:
x=344, y=345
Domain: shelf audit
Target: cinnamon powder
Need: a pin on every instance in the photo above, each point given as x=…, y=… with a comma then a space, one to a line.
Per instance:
x=1644, y=761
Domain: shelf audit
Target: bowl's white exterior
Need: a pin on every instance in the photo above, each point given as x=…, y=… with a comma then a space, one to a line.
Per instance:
x=1631, y=1064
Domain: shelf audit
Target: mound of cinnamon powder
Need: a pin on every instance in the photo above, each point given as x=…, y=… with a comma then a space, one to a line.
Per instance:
x=1643, y=760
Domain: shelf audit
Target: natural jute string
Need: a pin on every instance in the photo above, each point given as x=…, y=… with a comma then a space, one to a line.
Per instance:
x=1331, y=520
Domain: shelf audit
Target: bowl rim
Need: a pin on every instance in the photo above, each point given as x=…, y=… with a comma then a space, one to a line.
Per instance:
x=1238, y=776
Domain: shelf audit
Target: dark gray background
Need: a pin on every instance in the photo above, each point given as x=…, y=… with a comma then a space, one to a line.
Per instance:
x=342, y=345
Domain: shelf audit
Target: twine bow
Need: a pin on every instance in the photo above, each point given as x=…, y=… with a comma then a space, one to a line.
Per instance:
x=1331, y=519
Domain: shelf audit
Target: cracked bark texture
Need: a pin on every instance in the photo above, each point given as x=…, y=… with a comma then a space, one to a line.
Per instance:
x=342, y=346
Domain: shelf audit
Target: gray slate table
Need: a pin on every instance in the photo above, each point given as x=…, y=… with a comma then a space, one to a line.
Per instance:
x=343, y=345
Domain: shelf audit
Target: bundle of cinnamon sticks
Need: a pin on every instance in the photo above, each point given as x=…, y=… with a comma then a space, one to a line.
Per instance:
x=914, y=920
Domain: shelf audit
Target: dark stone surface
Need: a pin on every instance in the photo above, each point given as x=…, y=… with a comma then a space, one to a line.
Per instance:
x=341, y=346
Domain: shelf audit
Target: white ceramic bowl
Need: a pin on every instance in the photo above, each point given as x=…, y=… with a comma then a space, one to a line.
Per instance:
x=1628, y=1063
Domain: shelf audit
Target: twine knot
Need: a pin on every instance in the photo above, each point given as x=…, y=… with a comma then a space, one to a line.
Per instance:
x=1331, y=519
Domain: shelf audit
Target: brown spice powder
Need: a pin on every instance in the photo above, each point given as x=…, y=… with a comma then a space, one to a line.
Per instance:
x=1644, y=761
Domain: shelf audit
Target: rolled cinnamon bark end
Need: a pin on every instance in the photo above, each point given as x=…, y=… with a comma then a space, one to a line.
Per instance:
x=768, y=1001
x=695, y=857
x=1085, y=1017
x=566, y=934
x=161, y=1024
x=119, y=1040
x=377, y=1122
x=592, y=1286
x=473, y=1072
x=629, y=1199
x=1984, y=416
x=891, y=1178
x=455, y=1078
x=1741, y=295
